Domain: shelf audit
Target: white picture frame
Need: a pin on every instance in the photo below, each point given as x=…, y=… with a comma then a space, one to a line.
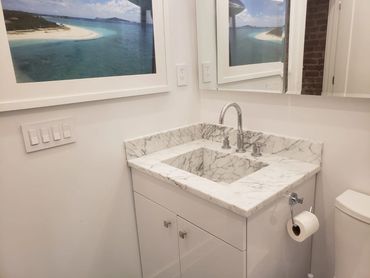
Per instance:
x=227, y=73
x=17, y=96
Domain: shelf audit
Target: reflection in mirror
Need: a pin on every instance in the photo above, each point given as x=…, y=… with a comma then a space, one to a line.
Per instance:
x=241, y=45
x=256, y=31
x=250, y=43
x=314, y=47
x=336, y=48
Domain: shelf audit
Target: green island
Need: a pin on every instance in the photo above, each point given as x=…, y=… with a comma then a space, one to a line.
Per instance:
x=22, y=21
x=277, y=32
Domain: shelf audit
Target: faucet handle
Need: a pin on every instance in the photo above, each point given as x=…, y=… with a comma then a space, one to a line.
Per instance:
x=256, y=149
x=226, y=142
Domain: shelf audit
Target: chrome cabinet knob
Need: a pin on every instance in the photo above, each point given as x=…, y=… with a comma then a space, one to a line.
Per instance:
x=167, y=224
x=183, y=234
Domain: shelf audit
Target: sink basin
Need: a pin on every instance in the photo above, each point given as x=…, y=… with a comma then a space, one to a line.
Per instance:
x=216, y=166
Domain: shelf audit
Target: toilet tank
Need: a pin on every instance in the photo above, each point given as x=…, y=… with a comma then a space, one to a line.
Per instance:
x=352, y=235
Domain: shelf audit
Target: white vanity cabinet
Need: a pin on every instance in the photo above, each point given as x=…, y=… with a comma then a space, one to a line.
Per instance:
x=207, y=212
x=182, y=235
x=172, y=247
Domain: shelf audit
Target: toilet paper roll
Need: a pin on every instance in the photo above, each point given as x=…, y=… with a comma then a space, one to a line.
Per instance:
x=306, y=225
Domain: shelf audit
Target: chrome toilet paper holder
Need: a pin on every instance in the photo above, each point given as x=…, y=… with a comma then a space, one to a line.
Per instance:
x=294, y=200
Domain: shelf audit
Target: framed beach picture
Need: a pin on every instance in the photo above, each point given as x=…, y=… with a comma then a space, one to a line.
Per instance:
x=58, y=52
x=250, y=39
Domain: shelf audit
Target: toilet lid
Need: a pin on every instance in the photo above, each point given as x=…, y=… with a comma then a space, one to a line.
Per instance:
x=355, y=204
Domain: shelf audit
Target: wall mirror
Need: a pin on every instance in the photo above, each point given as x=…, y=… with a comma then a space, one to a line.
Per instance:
x=243, y=46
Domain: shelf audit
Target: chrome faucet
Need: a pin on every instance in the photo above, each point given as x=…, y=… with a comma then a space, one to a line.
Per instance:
x=240, y=136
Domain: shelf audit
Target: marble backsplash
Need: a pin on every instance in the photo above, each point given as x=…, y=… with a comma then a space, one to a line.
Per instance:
x=294, y=148
x=148, y=144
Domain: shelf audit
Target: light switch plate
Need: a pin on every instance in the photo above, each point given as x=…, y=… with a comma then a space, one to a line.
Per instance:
x=206, y=72
x=182, y=75
x=48, y=134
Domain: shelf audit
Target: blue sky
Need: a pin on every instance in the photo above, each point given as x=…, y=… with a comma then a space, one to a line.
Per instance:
x=262, y=13
x=78, y=8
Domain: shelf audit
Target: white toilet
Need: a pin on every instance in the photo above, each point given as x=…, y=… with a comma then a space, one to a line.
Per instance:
x=352, y=235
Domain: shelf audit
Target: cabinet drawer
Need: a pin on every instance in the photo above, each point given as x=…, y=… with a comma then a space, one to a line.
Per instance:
x=216, y=220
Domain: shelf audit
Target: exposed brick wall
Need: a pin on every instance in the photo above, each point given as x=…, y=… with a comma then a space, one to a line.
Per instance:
x=314, y=49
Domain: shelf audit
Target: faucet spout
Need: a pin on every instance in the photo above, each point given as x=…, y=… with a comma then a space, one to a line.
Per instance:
x=240, y=137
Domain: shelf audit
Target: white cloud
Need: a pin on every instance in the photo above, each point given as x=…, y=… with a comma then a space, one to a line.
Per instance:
x=261, y=20
x=115, y=8
x=90, y=9
x=243, y=18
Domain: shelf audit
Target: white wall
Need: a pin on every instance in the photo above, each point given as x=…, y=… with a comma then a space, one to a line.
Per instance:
x=344, y=127
x=68, y=211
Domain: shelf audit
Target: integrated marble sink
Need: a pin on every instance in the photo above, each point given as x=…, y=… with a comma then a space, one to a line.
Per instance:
x=191, y=159
x=216, y=166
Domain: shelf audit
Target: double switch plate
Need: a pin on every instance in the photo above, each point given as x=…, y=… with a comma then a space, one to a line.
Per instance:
x=48, y=134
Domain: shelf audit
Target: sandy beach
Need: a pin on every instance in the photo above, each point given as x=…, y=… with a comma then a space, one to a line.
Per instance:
x=69, y=33
x=265, y=36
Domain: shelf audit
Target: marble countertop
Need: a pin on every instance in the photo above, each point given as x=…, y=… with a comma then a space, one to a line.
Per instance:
x=245, y=196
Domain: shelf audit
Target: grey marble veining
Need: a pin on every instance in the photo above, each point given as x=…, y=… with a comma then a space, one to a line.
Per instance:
x=295, y=148
x=148, y=144
x=191, y=159
x=216, y=166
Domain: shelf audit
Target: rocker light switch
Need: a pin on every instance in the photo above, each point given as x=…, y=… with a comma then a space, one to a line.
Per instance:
x=66, y=131
x=45, y=135
x=56, y=133
x=206, y=72
x=48, y=134
x=33, y=137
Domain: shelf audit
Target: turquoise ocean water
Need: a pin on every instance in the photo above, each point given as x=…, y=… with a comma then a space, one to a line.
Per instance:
x=122, y=49
x=245, y=49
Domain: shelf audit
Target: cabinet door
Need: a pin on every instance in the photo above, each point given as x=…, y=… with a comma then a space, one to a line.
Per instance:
x=157, y=229
x=204, y=256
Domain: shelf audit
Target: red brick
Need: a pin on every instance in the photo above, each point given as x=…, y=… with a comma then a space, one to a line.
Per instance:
x=315, y=42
